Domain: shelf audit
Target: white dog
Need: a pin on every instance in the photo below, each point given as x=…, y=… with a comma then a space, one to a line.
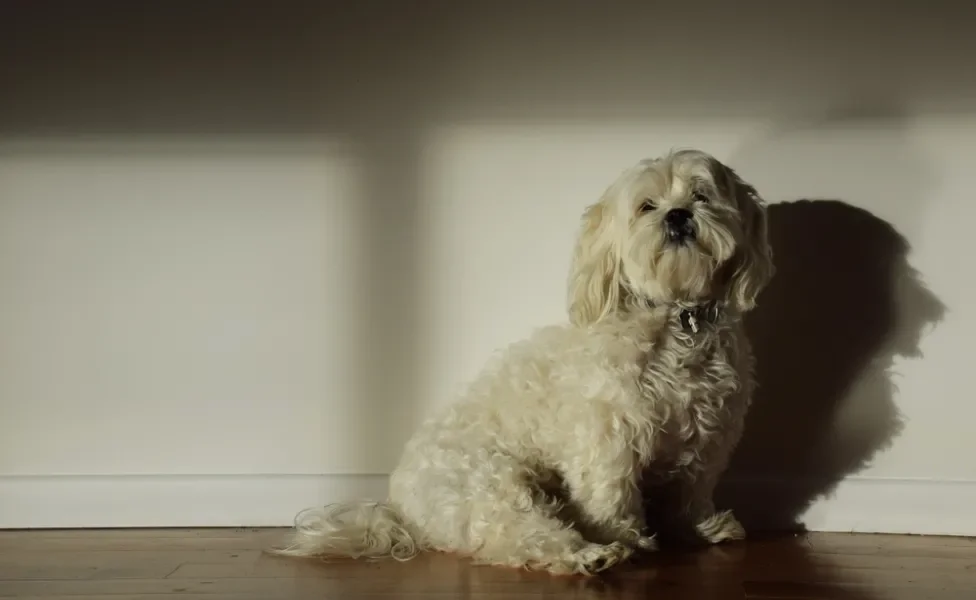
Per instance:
x=545, y=461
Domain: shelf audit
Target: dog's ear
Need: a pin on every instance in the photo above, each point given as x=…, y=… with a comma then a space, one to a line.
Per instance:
x=753, y=266
x=594, y=273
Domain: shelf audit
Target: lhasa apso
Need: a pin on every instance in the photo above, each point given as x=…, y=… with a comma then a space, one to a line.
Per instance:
x=547, y=460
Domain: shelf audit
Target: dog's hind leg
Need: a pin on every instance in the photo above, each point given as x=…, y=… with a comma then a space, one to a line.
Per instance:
x=493, y=510
x=517, y=526
x=603, y=489
x=537, y=541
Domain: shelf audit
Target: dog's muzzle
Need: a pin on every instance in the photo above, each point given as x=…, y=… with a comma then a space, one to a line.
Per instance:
x=679, y=225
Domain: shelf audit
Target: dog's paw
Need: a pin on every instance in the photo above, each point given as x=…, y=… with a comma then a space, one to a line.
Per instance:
x=596, y=558
x=640, y=541
x=721, y=527
x=635, y=536
x=646, y=543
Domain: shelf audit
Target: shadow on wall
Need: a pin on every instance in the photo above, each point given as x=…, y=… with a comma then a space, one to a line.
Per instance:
x=227, y=71
x=844, y=305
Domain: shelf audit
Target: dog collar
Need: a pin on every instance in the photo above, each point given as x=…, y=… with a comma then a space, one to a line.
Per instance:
x=692, y=317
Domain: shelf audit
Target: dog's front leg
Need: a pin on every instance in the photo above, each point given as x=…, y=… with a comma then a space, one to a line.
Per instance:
x=713, y=527
x=608, y=500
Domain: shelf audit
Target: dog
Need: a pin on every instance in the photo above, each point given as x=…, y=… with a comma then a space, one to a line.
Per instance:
x=547, y=459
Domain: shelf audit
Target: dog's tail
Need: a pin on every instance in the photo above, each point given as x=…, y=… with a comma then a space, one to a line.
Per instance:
x=361, y=529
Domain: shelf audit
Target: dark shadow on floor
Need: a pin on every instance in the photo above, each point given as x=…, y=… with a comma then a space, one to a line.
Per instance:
x=844, y=305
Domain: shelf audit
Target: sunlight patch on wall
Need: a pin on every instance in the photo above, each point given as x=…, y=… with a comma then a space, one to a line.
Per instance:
x=179, y=306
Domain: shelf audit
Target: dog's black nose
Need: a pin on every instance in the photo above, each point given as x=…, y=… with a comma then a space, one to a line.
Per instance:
x=679, y=225
x=678, y=218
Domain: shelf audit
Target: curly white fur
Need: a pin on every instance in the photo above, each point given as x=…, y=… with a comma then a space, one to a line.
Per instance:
x=545, y=461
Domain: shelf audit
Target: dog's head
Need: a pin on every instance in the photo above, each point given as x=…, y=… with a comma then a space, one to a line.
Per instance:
x=680, y=228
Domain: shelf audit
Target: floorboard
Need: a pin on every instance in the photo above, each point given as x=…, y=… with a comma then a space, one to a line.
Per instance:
x=218, y=564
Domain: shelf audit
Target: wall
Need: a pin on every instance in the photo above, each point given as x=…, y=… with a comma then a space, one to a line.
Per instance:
x=243, y=251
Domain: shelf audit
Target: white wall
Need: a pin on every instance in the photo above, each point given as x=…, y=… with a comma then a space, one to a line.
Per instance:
x=243, y=253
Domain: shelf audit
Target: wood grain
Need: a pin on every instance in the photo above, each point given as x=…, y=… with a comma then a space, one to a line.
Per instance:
x=224, y=564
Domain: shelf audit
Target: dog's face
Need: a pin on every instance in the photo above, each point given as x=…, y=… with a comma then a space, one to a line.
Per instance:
x=683, y=227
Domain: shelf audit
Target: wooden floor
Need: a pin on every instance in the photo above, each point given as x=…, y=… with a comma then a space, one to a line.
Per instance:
x=228, y=564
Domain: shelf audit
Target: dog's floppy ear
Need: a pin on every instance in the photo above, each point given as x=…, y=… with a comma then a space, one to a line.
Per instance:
x=754, y=261
x=594, y=275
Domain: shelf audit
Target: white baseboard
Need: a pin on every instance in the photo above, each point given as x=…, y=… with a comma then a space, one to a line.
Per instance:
x=859, y=504
x=883, y=505
x=173, y=500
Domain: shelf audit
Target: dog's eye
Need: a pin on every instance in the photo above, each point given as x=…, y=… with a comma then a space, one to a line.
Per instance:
x=648, y=206
x=699, y=197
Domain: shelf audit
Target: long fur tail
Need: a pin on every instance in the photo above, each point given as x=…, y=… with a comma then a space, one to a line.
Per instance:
x=370, y=530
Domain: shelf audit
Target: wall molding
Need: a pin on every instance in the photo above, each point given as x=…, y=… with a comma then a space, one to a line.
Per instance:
x=861, y=504
x=71, y=501
x=858, y=504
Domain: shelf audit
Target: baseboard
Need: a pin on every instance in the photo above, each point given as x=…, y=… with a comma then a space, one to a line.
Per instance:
x=858, y=504
x=869, y=504
x=75, y=501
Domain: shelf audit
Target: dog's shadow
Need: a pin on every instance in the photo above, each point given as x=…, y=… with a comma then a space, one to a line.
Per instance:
x=844, y=305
